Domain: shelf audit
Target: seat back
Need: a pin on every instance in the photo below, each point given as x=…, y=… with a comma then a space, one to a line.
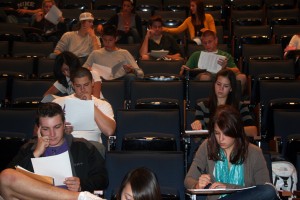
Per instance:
x=45, y=68
x=3, y=91
x=102, y=16
x=28, y=93
x=286, y=123
x=279, y=4
x=246, y=4
x=16, y=67
x=271, y=68
x=197, y=90
x=20, y=123
x=148, y=121
x=260, y=34
x=156, y=89
x=171, y=18
x=11, y=32
x=4, y=48
x=283, y=17
x=274, y=89
x=248, y=17
x=107, y=5
x=167, y=166
x=32, y=49
x=77, y=4
x=160, y=66
x=9, y=143
x=148, y=5
x=71, y=16
x=132, y=48
x=176, y=5
x=259, y=52
x=283, y=33
x=114, y=93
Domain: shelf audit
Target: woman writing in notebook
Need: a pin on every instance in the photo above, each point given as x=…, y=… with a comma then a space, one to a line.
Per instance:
x=197, y=23
x=227, y=160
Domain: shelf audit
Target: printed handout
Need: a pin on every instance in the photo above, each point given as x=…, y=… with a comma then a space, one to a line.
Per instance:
x=80, y=113
x=209, y=61
x=57, y=166
x=53, y=15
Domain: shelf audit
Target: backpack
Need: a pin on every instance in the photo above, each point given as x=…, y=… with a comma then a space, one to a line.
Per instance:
x=284, y=176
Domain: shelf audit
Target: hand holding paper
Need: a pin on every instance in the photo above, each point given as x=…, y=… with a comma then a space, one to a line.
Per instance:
x=54, y=15
x=210, y=61
x=80, y=114
x=58, y=167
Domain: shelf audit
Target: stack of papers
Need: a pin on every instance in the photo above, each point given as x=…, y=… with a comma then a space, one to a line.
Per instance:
x=217, y=190
x=158, y=53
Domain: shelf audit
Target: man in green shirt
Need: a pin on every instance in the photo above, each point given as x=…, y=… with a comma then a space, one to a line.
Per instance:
x=210, y=43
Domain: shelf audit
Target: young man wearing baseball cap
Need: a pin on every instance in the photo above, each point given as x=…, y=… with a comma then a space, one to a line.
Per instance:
x=82, y=41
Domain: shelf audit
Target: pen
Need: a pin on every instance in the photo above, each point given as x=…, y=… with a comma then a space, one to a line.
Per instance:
x=201, y=171
x=204, y=172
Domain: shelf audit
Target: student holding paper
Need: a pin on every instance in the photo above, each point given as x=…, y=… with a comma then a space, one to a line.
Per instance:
x=210, y=43
x=98, y=118
x=113, y=63
x=52, y=32
x=88, y=168
x=155, y=39
x=227, y=160
x=120, y=61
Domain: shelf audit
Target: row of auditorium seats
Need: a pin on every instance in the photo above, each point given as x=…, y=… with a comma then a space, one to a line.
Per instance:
x=244, y=52
x=182, y=95
x=130, y=123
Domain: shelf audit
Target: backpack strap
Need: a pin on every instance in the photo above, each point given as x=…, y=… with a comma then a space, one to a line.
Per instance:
x=292, y=180
x=276, y=179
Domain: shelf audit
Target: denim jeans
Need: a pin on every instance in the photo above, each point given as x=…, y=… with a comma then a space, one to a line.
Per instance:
x=260, y=192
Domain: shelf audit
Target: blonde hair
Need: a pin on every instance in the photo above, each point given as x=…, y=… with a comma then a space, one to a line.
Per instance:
x=48, y=1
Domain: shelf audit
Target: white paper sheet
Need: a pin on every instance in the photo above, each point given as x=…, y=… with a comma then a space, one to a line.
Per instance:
x=217, y=190
x=80, y=113
x=58, y=167
x=196, y=132
x=49, y=98
x=209, y=61
x=197, y=40
x=103, y=71
x=53, y=15
x=117, y=67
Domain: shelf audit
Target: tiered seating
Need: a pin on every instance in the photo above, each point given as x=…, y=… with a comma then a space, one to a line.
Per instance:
x=259, y=49
x=148, y=129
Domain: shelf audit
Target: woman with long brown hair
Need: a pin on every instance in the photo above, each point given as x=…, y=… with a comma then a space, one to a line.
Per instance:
x=197, y=23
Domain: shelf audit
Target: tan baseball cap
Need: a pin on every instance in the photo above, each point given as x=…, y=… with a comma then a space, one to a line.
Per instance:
x=86, y=16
